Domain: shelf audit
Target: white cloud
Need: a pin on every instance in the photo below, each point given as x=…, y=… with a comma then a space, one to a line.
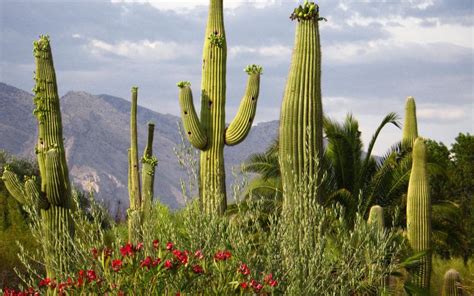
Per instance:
x=76, y=36
x=441, y=112
x=185, y=6
x=144, y=50
x=277, y=52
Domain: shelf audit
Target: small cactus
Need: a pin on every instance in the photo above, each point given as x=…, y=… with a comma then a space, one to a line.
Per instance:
x=376, y=217
x=452, y=283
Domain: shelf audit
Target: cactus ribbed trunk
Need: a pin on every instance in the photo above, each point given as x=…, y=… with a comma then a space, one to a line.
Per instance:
x=209, y=133
x=301, y=127
x=53, y=197
x=134, y=212
x=410, y=127
x=419, y=214
x=148, y=172
x=452, y=284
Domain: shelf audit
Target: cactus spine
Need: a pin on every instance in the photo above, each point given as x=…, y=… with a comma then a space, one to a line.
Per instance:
x=376, y=217
x=452, y=283
x=301, y=117
x=410, y=128
x=419, y=214
x=209, y=133
x=53, y=197
x=141, y=198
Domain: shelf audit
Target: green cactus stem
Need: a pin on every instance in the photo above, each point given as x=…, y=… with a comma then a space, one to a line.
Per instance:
x=410, y=129
x=149, y=163
x=53, y=197
x=452, y=283
x=419, y=214
x=376, y=217
x=301, y=117
x=208, y=133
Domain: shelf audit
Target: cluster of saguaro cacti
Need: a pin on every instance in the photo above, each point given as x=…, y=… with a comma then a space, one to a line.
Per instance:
x=301, y=123
x=209, y=133
x=452, y=284
x=410, y=128
x=53, y=197
x=141, y=198
x=419, y=214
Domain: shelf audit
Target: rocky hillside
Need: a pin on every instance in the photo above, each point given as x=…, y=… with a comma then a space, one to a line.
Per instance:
x=96, y=132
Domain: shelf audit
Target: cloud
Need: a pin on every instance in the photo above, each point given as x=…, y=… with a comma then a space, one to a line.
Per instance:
x=276, y=52
x=186, y=6
x=441, y=112
x=144, y=50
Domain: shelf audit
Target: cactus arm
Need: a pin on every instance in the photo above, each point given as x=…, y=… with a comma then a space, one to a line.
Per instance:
x=419, y=214
x=14, y=186
x=35, y=195
x=56, y=188
x=134, y=174
x=240, y=126
x=149, y=163
x=193, y=128
x=410, y=127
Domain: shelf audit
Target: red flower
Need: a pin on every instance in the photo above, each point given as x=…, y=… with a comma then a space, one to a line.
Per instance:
x=127, y=250
x=168, y=264
x=198, y=269
x=107, y=252
x=256, y=286
x=244, y=285
x=244, y=269
x=222, y=255
x=169, y=246
x=121, y=293
x=156, y=262
x=91, y=275
x=139, y=247
x=146, y=262
x=156, y=244
x=198, y=254
x=116, y=264
x=45, y=282
x=95, y=253
x=181, y=256
x=270, y=281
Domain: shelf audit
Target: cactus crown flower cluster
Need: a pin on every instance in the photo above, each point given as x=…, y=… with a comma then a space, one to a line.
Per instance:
x=254, y=69
x=182, y=84
x=308, y=11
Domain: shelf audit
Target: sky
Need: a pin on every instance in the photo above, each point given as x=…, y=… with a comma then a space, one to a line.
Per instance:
x=374, y=55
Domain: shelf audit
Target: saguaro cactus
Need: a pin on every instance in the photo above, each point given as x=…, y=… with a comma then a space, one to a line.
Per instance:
x=301, y=117
x=452, y=283
x=376, y=217
x=419, y=214
x=141, y=198
x=54, y=195
x=209, y=133
x=410, y=128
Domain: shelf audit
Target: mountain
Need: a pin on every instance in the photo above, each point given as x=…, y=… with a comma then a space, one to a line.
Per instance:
x=96, y=133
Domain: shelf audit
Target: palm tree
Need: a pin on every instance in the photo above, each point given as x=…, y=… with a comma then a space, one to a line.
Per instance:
x=349, y=170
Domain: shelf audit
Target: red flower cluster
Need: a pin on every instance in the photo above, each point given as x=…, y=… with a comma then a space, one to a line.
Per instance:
x=222, y=255
x=244, y=269
x=198, y=269
x=116, y=264
x=270, y=281
x=181, y=256
x=169, y=246
x=11, y=292
x=127, y=250
x=156, y=244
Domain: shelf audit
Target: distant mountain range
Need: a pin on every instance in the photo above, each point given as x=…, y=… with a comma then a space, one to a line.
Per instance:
x=96, y=133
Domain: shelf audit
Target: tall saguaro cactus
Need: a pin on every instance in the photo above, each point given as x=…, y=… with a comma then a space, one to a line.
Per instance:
x=141, y=198
x=419, y=214
x=209, y=133
x=301, y=117
x=410, y=127
x=54, y=195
